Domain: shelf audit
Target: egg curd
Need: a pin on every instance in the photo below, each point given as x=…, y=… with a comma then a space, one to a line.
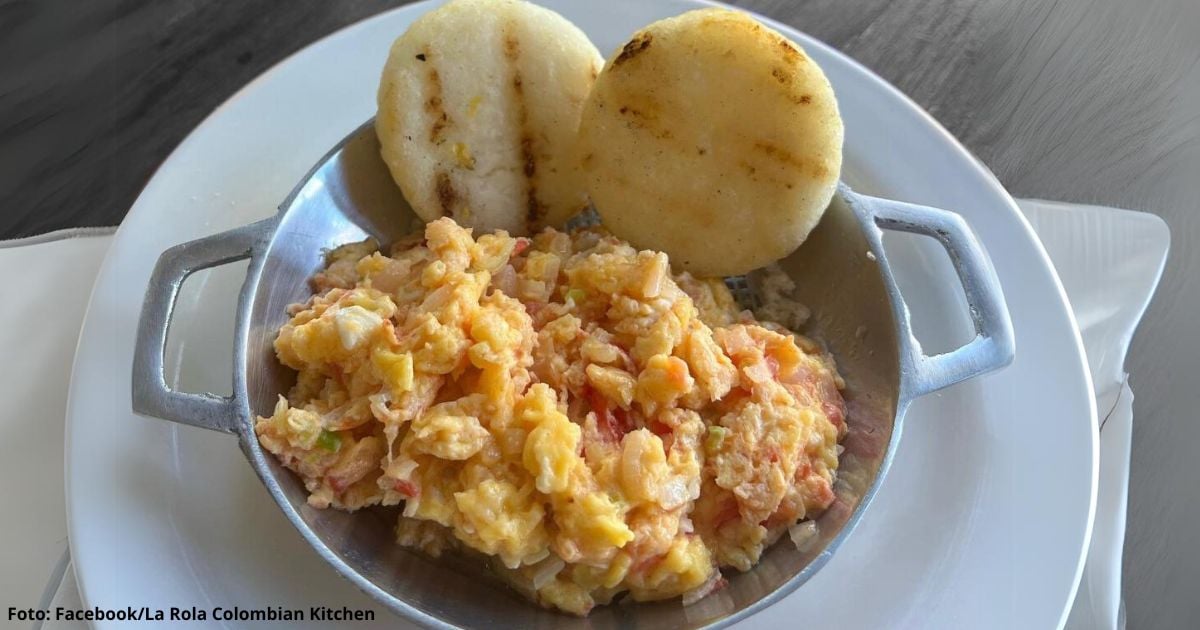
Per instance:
x=562, y=404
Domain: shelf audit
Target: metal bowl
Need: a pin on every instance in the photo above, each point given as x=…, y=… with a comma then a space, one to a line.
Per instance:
x=841, y=273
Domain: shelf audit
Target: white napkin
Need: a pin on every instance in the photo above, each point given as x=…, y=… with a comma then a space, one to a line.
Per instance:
x=47, y=283
x=1109, y=261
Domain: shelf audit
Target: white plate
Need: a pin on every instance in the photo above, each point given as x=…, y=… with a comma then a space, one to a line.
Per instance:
x=983, y=521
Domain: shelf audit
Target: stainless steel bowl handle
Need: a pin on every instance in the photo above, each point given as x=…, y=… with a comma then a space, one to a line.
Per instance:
x=993, y=346
x=151, y=395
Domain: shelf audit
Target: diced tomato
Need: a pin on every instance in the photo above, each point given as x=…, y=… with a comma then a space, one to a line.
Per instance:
x=521, y=246
x=338, y=376
x=803, y=471
x=678, y=374
x=825, y=493
x=533, y=307
x=821, y=389
x=407, y=488
x=626, y=359
x=772, y=520
x=838, y=509
x=786, y=513
x=735, y=396
x=645, y=565
x=623, y=420
x=818, y=493
x=802, y=376
x=663, y=431
x=613, y=423
x=773, y=365
x=835, y=411
x=604, y=420
x=736, y=341
x=729, y=512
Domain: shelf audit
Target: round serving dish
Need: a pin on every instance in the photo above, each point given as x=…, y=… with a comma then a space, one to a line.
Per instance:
x=842, y=274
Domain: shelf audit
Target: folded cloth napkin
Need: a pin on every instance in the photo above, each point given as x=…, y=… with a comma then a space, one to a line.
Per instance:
x=52, y=274
x=1109, y=260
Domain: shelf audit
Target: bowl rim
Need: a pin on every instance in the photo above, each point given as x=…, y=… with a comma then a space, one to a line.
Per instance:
x=264, y=233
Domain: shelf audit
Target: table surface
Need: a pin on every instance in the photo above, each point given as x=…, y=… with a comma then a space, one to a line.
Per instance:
x=1093, y=101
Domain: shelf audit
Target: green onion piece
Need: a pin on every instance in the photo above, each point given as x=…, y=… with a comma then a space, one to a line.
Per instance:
x=576, y=295
x=716, y=437
x=329, y=440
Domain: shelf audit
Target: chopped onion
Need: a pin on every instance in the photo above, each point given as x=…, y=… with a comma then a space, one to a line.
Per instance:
x=379, y=408
x=333, y=417
x=698, y=593
x=404, y=470
x=685, y=525
x=839, y=450
x=652, y=284
x=506, y=280
x=546, y=571
x=803, y=534
x=757, y=372
x=674, y=493
x=518, y=581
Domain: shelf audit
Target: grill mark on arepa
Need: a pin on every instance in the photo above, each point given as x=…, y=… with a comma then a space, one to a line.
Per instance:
x=433, y=105
x=446, y=194
x=786, y=157
x=645, y=119
x=757, y=175
x=791, y=52
x=534, y=210
x=634, y=48
x=448, y=198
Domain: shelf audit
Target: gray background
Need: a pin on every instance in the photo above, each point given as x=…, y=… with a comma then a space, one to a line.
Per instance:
x=1080, y=100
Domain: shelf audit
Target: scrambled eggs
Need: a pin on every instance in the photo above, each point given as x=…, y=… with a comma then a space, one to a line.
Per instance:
x=562, y=404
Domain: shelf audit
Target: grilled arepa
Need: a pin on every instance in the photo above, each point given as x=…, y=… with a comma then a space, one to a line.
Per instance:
x=714, y=139
x=479, y=108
